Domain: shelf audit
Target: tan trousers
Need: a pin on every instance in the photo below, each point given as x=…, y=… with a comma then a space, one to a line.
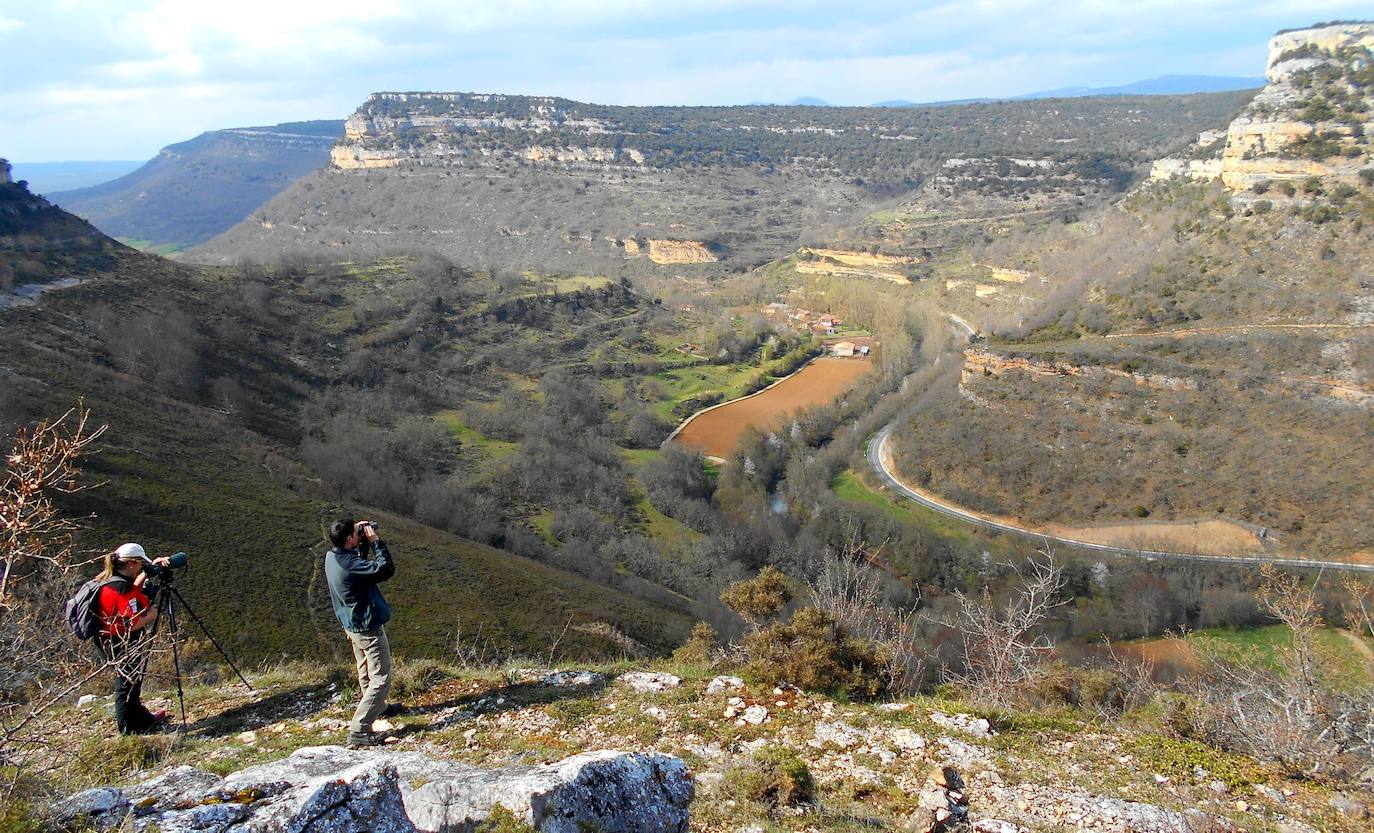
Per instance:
x=372, y=653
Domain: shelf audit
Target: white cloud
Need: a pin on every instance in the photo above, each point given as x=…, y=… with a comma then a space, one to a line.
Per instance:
x=166, y=69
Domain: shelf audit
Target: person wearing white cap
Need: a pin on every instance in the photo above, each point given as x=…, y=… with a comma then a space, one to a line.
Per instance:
x=126, y=610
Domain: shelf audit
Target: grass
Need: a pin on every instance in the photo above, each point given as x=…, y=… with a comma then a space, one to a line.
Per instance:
x=849, y=487
x=638, y=456
x=1265, y=645
x=469, y=436
x=543, y=525
x=149, y=246
x=688, y=382
x=566, y=284
x=660, y=526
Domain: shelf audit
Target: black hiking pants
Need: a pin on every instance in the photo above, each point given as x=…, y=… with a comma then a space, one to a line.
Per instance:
x=128, y=656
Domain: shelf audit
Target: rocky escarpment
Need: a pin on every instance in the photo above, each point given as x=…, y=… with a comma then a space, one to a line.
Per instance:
x=980, y=363
x=1309, y=121
x=714, y=749
x=554, y=185
x=846, y=263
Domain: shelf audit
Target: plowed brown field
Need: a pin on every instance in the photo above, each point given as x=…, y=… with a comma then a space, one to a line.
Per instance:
x=717, y=432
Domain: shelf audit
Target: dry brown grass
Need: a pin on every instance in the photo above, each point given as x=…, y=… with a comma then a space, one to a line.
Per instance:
x=1211, y=536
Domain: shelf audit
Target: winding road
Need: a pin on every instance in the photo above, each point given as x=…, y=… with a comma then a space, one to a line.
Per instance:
x=878, y=460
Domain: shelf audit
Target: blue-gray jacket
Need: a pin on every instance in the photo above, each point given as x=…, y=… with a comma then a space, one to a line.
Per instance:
x=353, y=589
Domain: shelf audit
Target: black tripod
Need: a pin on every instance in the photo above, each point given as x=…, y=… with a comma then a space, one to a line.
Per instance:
x=167, y=600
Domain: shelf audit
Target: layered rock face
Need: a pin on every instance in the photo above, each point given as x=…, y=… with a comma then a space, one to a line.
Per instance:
x=554, y=185
x=1310, y=120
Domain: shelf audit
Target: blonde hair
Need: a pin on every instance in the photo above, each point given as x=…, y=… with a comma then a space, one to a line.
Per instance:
x=111, y=562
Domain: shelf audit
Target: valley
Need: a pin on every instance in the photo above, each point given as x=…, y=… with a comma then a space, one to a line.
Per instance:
x=1009, y=424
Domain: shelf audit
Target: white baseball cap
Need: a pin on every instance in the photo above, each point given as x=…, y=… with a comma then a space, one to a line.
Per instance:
x=131, y=552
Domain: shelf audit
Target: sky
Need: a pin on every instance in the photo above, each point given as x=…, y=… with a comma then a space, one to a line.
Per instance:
x=120, y=79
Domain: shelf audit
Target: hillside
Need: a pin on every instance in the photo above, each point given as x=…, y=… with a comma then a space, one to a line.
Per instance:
x=563, y=186
x=39, y=240
x=196, y=189
x=203, y=387
x=1132, y=346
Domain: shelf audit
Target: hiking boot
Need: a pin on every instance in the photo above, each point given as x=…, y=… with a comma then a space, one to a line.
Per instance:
x=393, y=710
x=358, y=740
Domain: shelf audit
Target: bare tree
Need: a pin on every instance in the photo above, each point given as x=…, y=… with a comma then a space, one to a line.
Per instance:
x=1357, y=605
x=850, y=589
x=1003, y=646
x=1294, y=712
x=39, y=664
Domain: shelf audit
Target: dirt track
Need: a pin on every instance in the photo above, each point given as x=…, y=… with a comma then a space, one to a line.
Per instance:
x=717, y=431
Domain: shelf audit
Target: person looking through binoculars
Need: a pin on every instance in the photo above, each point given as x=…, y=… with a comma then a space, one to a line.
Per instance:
x=363, y=612
x=126, y=611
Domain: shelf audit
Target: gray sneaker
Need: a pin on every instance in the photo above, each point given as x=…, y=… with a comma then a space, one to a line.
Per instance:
x=361, y=739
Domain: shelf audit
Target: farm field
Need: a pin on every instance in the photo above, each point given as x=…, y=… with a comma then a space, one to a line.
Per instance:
x=717, y=432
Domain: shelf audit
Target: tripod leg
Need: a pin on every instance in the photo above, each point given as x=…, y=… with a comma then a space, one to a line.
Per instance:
x=175, y=633
x=210, y=636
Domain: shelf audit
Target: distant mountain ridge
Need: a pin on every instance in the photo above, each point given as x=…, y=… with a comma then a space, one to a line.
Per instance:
x=1163, y=85
x=196, y=189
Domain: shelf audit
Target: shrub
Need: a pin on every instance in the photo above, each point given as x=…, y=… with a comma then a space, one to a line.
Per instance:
x=699, y=647
x=777, y=777
x=1106, y=691
x=814, y=653
x=760, y=597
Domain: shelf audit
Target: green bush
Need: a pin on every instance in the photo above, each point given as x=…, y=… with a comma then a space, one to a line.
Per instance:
x=777, y=777
x=814, y=653
x=1097, y=689
x=760, y=597
x=699, y=647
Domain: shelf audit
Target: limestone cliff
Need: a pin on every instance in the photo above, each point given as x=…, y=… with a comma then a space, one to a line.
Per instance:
x=680, y=251
x=5, y=172
x=457, y=129
x=845, y=263
x=1310, y=120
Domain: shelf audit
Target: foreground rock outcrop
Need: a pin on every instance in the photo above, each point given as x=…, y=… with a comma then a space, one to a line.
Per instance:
x=330, y=789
